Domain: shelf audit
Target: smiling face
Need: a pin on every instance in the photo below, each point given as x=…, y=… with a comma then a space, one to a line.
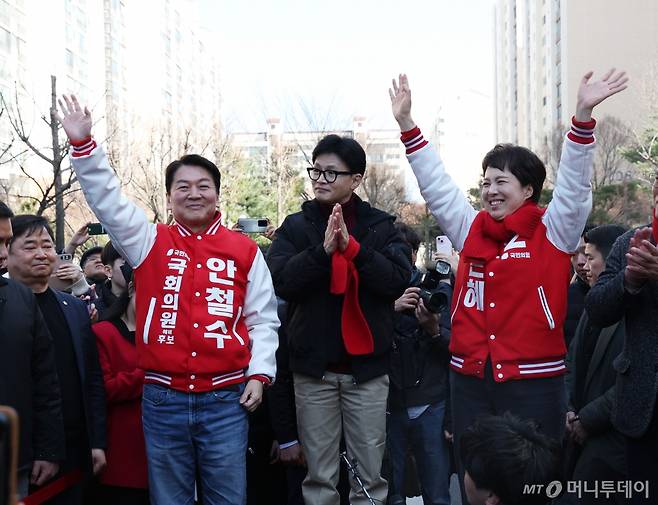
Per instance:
x=193, y=197
x=339, y=191
x=502, y=193
x=32, y=257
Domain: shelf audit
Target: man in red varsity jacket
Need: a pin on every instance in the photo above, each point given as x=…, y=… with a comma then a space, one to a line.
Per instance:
x=510, y=295
x=206, y=320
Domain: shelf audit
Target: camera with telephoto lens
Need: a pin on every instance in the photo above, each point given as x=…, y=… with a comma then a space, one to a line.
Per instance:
x=434, y=293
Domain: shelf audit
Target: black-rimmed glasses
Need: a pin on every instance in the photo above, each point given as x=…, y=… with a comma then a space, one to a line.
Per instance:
x=329, y=175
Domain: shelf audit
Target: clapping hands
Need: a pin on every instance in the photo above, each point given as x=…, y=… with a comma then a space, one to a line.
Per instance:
x=641, y=259
x=336, y=235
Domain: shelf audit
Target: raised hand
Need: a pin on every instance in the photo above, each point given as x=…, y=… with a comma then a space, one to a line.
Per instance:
x=401, y=102
x=590, y=94
x=75, y=120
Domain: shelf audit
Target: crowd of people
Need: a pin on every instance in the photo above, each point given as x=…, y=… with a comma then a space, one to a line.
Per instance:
x=180, y=363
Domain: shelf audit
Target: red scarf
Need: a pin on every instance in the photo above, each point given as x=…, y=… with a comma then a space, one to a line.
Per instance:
x=345, y=281
x=487, y=235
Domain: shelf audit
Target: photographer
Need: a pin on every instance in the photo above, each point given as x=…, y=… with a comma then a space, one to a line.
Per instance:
x=418, y=390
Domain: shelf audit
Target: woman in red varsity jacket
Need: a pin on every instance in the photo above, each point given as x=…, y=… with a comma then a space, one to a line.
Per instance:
x=509, y=303
x=125, y=477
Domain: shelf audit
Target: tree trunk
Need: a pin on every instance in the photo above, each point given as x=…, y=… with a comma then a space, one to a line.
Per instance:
x=60, y=212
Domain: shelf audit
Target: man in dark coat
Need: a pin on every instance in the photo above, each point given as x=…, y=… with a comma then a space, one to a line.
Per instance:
x=340, y=264
x=28, y=380
x=629, y=288
x=597, y=449
x=31, y=261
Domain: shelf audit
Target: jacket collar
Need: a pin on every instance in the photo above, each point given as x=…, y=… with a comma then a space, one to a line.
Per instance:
x=366, y=215
x=211, y=229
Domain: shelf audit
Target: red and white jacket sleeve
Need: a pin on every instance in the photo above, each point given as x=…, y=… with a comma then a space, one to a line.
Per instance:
x=127, y=225
x=260, y=313
x=447, y=203
x=566, y=215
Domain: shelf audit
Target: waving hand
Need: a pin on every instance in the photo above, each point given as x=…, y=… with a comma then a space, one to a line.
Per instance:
x=590, y=94
x=400, y=95
x=75, y=121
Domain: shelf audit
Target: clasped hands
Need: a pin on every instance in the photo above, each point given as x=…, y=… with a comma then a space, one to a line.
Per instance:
x=336, y=235
x=641, y=260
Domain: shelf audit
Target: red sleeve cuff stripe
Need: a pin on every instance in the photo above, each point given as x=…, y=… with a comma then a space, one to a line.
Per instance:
x=262, y=378
x=584, y=125
x=84, y=150
x=81, y=142
x=411, y=150
x=582, y=132
x=409, y=134
x=413, y=140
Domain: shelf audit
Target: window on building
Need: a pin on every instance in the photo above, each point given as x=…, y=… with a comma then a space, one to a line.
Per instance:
x=69, y=60
x=5, y=40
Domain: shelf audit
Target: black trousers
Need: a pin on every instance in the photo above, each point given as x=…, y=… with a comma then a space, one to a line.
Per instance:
x=542, y=400
x=642, y=461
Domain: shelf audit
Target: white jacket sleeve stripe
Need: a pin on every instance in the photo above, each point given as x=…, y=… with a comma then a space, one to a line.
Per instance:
x=127, y=225
x=446, y=201
x=567, y=214
x=260, y=312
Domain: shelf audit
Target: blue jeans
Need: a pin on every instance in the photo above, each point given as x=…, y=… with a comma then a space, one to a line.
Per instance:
x=195, y=434
x=430, y=449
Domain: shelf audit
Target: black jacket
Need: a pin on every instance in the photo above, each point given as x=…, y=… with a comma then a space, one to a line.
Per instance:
x=301, y=271
x=591, y=391
x=91, y=377
x=419, y=363
x=575, y=305
x=281, y=395
x=637, y=366
x=28, y=377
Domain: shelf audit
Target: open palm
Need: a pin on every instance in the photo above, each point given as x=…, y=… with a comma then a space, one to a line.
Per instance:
x=75, y=120
x=590, y=94
x=400, y=97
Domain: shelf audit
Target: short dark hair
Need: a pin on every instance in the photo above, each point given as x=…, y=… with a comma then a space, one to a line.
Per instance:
x=521, y=162
x=89, y=253
x=193, y=160
x=503, y=453
x=347, y=149
x=409, y=235
x=603, y=237
x=5, y=212
x=27, y=224
x=109, y=254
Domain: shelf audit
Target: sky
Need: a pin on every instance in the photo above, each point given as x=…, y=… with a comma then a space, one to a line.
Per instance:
x=317, y=64
x=336, y=58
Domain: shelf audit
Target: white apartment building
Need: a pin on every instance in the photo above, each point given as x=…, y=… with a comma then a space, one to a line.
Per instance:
x=544, y=47
x=138, y=64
